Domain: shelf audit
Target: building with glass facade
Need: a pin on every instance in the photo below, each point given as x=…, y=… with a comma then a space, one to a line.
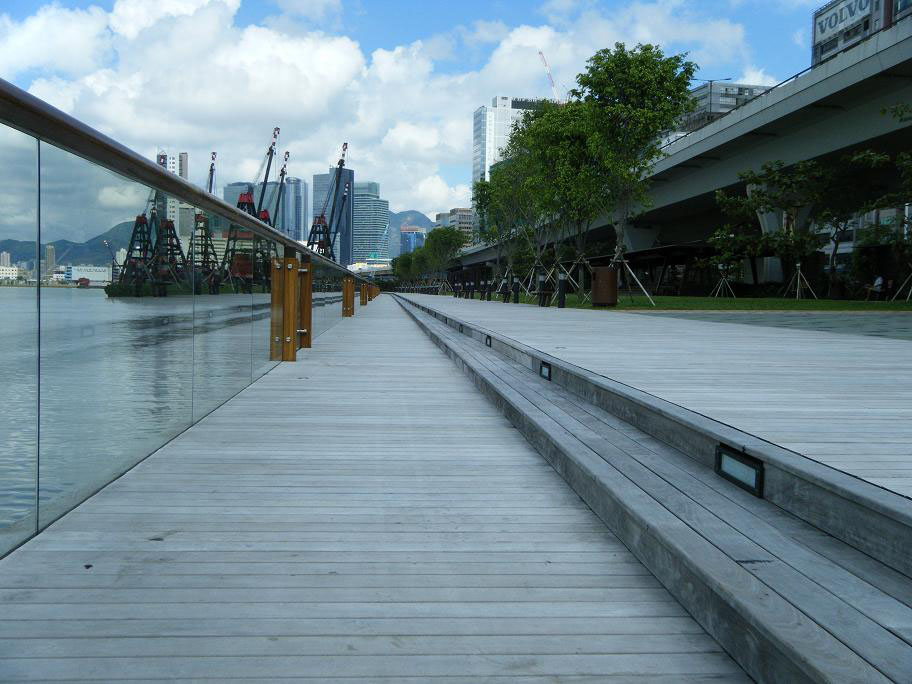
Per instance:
x=491, y=128
x=411, y=238
x=370, y=237
x=717, y=98
x=321, y=182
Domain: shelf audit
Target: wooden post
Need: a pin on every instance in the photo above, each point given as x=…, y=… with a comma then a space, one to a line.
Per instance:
x=290, y=305
x=277, y=310
x=305, y=310
x=363, y=294
x=348, y=296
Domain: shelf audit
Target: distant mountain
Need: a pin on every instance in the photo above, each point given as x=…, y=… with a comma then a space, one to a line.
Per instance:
x=91, y=252
x=409, y=218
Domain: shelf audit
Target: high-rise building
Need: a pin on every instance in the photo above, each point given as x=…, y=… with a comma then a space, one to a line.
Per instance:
x=461, y=218
x=321, y=183
x=297, y=190
x=284, y=219
x=183, y=169
x=50, y=258
x=232, y=191
x=171, y=205
x=717, y=98
x=491, y=130
x=411, y=238
x=370, y=235
x=842, y=23
x=5, y=258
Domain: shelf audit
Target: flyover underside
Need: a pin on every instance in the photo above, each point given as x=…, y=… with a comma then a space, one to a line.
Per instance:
x=362, y=514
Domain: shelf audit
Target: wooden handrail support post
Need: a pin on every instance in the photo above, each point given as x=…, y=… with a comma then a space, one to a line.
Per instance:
x=348, y=297
x=363, y=293
x=290, y=305
x=277, y=308
x=305, y=308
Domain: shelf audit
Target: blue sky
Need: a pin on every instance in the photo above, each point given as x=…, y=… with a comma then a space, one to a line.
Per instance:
x=398, y=79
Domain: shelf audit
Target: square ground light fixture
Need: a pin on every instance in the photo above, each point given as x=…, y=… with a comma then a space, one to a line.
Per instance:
x=544, y=370
x=741, y=469
x=487, y=340
x=460, y=327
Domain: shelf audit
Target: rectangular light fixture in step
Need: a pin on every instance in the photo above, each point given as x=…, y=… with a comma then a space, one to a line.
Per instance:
x=745, y=471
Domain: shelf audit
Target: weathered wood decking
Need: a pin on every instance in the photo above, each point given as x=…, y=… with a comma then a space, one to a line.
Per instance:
x=362, y=515
x=841, y=399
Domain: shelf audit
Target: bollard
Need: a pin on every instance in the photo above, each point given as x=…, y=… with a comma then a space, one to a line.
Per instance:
x=541, y=289
x=561, y=290
x=516, y=290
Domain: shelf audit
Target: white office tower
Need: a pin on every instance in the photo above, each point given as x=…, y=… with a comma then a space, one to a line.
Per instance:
x=491, y=130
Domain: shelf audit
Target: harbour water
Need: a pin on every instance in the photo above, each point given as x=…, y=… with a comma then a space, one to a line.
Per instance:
x=109, y=380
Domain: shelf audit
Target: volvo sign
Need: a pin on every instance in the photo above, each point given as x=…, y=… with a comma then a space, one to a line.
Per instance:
x=832, y=19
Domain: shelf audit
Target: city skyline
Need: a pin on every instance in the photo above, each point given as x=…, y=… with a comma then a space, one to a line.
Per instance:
x=441, y=64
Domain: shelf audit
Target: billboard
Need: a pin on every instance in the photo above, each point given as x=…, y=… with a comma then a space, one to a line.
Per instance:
x=832, y=19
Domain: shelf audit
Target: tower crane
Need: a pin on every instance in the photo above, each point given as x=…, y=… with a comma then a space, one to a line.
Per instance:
x=550, y=77
x=201, y=254
x=211, y=182
x=322, y=236
x=280, y=192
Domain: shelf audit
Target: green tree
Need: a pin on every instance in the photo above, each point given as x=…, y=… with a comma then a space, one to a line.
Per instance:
x=829, y=196
x=634, y=97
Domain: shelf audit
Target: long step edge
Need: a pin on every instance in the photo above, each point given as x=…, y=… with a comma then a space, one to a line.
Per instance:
x=771, y=639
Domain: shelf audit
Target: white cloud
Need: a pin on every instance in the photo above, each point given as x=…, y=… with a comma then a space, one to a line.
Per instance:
x=54, y=39
x=122, y=197
x=182, y=74
x=757, y=76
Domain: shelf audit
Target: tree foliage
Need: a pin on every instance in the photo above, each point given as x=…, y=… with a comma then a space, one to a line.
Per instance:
x=430, y=260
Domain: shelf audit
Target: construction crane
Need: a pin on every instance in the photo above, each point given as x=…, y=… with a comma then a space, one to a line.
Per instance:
x=322, y=236
x=236, y=266
x=211, y=183
x=280, y=192
x=550, y=77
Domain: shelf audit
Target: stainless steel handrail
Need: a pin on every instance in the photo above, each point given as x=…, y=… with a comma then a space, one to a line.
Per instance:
x=37, y=118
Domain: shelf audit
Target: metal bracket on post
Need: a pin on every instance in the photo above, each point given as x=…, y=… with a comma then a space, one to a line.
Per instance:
x=305, y=305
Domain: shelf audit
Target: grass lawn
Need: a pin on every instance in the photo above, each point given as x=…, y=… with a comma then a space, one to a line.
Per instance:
x=627, y=303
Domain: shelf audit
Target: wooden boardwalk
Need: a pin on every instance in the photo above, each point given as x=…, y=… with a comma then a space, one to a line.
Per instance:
x=361, y=515
x=843, y=400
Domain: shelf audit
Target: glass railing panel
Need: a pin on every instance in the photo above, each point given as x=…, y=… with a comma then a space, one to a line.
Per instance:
x=222, y=258
x=327, y=297
x=18, y=337
x=114, y=361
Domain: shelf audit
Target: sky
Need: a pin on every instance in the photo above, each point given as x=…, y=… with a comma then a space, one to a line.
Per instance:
x=398, y=80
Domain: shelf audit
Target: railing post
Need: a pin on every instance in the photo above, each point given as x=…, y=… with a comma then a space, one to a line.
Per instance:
x=348, y=297
x=305, y=315
x=363, y=294
x=290, y=305
x=277, y=309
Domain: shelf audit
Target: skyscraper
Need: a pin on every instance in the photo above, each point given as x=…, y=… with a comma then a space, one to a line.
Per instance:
x=491, y=130
x=297, y=190
x=183, y=169
x=232, y=191
x=284, y=219
x=411, y=238
x=5, y=258
x=321, y=183
x=370, y=237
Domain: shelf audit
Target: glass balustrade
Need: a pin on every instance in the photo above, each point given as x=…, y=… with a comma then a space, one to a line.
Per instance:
x=128, y=314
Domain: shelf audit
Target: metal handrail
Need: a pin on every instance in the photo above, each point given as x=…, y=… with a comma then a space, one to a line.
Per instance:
x=28, y=114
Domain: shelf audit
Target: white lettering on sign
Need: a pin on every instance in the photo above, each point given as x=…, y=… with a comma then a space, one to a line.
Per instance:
x=838, y=17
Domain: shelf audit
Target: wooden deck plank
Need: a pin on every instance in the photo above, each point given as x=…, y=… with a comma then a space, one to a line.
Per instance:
x=817, y=392
x=334, y=521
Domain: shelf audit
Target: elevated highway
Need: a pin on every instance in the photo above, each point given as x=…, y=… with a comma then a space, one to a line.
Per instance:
x=822, y=113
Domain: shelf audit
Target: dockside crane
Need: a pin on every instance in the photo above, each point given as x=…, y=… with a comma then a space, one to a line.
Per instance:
x=323, y=233
x=281, y=191
x=201, y=254
x=246, y=269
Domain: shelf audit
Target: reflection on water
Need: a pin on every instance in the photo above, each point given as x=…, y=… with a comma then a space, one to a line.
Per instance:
x=119, y=378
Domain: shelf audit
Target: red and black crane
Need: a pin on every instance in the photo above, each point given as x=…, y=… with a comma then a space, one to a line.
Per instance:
x=202, y=254
x=322, y=238
x=247, y=269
